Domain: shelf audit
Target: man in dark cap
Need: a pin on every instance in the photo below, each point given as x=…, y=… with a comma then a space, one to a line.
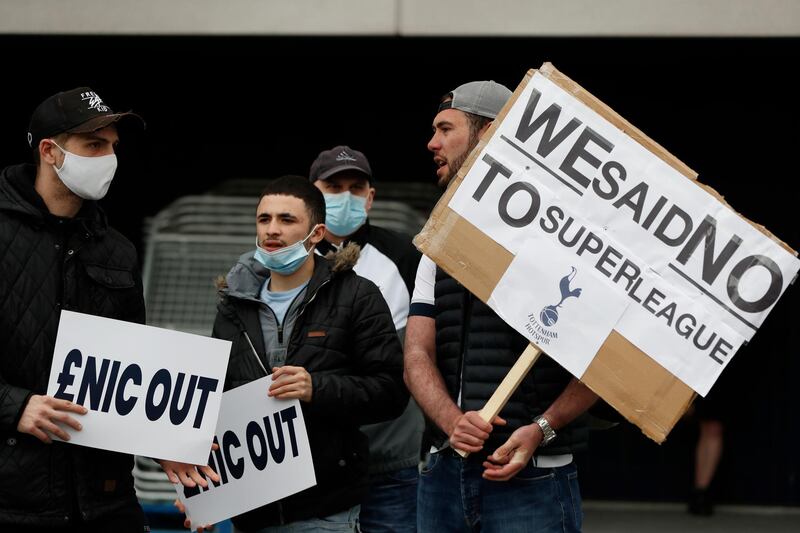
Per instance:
x=57, y=252
x=389, y=260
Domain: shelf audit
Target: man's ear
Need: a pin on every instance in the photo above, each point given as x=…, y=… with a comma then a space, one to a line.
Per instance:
x=484, y=128
x=48, y=152
x=318, y=234
x=370, y=199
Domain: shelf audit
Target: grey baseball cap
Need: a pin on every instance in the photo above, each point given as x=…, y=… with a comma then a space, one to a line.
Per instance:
x=484, y=98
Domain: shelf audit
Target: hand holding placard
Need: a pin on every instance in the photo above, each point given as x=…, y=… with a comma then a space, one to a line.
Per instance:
x=187, y=474
x=291, y=383
x=471, y=431
x=261, y=439
x=165, y=384
x=42, y=415
x=507, y=387
x=673, y=281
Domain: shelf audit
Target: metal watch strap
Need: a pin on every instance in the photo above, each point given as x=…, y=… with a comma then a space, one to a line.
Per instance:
x=548, y=433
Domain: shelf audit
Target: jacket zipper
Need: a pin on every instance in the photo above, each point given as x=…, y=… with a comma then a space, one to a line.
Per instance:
x=280, y=340
x=303, y=310
x=294, y=330
x=280, y=325
x=281, y=518
x=280, y=329
x=465, y=324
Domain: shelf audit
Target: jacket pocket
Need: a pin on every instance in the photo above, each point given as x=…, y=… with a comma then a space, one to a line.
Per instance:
x=25, y=466
x=110, y=292
x=111, y=278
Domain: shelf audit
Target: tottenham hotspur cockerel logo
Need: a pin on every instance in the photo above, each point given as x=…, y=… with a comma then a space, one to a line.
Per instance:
x=549, y=315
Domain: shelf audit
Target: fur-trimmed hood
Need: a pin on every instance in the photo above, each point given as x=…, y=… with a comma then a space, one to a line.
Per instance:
x=247, y=276
x=345, y=258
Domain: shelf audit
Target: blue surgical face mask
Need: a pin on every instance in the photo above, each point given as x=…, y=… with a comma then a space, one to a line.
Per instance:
x=344, y=213
x=284, y=260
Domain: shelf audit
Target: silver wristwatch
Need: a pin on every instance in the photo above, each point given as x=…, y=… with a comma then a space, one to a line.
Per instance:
x=548, y=432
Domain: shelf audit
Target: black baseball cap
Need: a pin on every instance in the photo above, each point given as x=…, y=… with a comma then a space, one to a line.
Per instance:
x=76, y=111
x=336, y=160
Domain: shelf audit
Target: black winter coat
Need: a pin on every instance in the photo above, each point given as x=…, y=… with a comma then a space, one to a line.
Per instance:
x=48, y=264
x=345, y=338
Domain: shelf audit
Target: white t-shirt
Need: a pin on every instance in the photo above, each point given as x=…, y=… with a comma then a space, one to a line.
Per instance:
x=422, y=301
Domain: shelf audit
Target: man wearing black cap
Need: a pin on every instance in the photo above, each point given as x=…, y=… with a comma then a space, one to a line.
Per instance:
x=58, y=252
x=520, y=475
x=390, y=261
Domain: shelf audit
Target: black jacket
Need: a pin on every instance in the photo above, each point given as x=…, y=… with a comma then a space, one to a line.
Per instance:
x=48, y=264
x=469, y=333
x=345, y=338
x=389, y=260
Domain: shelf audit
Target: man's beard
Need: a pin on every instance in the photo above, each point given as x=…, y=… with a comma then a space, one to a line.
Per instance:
x=455, y=164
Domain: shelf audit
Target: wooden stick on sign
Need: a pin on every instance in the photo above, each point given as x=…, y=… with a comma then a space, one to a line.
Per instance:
x=508, y=386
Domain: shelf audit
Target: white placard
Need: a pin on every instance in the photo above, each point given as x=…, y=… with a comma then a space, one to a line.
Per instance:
x=264, y=456
x=556, y=172
x=150, y=391
x=573, y=157
x=562, y=303
x=678, y=332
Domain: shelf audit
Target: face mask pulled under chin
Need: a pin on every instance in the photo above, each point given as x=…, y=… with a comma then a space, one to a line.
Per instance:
x=87, y=177
x=286, y=260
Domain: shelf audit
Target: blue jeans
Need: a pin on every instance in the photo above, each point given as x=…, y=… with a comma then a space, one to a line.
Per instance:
x=392, y=502
x=454, y=497
x=344, y=521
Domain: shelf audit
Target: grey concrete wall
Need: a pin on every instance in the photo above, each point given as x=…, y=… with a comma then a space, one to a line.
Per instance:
x=404, y=17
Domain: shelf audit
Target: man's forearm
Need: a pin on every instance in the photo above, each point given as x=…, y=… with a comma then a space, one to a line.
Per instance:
x=423, y=379
x=575, y=399
x=427, y=386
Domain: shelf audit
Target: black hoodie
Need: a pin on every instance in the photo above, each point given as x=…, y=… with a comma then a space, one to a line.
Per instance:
x=47, y=264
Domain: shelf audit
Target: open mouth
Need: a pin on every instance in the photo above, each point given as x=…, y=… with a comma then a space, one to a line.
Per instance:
x=271, y=246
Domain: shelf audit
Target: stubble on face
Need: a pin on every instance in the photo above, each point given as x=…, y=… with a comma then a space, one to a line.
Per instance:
x=456, y=163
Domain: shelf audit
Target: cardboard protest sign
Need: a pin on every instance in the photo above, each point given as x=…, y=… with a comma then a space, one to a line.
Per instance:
x=264, y=456
x=150, y=391
x=601, y=248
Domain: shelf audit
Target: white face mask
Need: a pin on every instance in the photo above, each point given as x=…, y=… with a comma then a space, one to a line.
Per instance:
x=88, y=177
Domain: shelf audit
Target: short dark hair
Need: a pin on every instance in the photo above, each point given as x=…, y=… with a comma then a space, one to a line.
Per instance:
x=299, y=187
x=476, y=124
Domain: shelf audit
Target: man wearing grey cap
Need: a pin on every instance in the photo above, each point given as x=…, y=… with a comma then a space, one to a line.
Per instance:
x=520, y=474
x=389, y=260
x=57, y=252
